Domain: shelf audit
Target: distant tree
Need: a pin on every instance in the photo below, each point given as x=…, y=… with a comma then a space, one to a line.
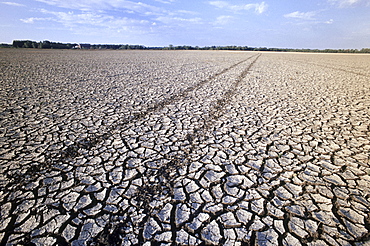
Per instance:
x=27, y=44
x=18, y=43
x=3, y=45
x=46, y=44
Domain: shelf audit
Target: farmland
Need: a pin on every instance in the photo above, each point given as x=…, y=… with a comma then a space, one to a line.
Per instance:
x=184, y=147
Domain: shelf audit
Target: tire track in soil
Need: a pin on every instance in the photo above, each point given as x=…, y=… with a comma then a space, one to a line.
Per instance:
x=92, y=140
x=165, y=174
x=86, y=144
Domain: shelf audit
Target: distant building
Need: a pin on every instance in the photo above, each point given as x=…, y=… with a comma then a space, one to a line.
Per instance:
x=82, y=46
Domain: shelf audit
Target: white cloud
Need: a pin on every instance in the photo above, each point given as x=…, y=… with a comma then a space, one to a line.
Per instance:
x=259, y=8
x=96, y=14
x=70, y=18
x=223, y=20
x=348, y=3
x=99, y=5
x=163, y=1
x=301, y=15
x=220, y=4
x=77, y=20
x=187, y=12
x=178, y=20
x=13, y=4
x=307, y=19
x=33, y=19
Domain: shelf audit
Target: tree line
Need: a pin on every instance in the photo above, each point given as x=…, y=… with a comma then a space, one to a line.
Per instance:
x=41, y=45
x=246, y=48
x=55, y=45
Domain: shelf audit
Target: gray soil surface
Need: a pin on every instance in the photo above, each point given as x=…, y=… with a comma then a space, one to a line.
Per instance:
x=184, y=148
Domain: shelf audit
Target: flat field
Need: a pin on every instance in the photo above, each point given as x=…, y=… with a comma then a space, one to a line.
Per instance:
x=184, y=148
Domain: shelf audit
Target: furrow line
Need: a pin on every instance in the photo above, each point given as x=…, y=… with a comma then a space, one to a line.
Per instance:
x=161, y=180
x=93, y=139
x=334, y=68
x=219, y=106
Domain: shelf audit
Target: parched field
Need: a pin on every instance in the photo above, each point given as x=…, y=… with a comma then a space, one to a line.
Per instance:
x=184, y=148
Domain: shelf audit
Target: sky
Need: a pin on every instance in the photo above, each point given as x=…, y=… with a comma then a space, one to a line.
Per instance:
x=314, y=24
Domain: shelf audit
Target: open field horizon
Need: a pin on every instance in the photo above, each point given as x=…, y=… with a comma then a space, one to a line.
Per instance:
x=184, y=148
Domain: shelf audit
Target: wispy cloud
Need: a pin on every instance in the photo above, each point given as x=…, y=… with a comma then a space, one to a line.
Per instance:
x=220, y=4
x=223, y=20
x=187, y=12
x=349, y=3
x=178, y=20
x=33, y=19
x=99, y=5
x=301, y=15
x=307, y=19
x=76, y=21
x=259, y=8
x=164, y=1
x=72, y=19
x=97, y=13
x=13, y=4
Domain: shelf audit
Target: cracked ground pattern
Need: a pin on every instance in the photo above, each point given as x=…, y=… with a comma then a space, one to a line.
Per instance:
x=184, y=148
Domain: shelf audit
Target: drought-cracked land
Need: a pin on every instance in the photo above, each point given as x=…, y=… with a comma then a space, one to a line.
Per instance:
x=184, y=148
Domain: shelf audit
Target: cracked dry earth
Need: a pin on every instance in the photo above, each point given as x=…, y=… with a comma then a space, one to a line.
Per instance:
x=184, y=148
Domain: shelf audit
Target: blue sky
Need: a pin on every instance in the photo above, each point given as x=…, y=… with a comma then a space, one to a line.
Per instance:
x=269, y=23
